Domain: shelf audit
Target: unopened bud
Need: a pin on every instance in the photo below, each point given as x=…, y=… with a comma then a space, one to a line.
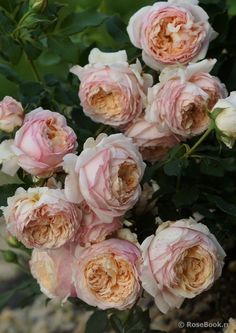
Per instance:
x=38, y=5
x=10, y=256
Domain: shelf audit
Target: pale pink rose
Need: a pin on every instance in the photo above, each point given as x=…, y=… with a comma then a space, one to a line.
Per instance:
x=92, y=229
x=106, y=274
x=180, y=102
x=11, y=114
x=8, y=159
x=153, y=144
x=112, y=91
x=43, y=141
x=53, y=271
x=181, y=261
x=106, y=175
x=173, y=32
x=41, y=217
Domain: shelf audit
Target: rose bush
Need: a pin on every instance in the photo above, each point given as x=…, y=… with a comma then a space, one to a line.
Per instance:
x=84, y=213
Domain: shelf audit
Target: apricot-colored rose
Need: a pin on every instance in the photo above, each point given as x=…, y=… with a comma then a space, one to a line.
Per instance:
x=41, y=217
x=181, y=101
x=107, y=274
x=53, y=271
x=93, y=229
x=11, y=114
x=106, y=175
x=173, y=32
x=153, y=144
x=180, y=261
x=112, y=91
x=43, y=141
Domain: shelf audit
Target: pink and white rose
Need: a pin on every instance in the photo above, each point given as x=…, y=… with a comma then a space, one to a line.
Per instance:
x=11, y=114
x=53, y=271
x=179, y=103
x=180, y=261
x=8, y=159
x=93, y=229
x=173, y=32
x=41, y=217
x=112, y=91
x=226, y=119
x=106, y=274
x=43, y=141
x=153, y=144
x=106, y=175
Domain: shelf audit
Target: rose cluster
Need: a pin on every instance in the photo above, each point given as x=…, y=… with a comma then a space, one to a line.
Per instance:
x=74, y=226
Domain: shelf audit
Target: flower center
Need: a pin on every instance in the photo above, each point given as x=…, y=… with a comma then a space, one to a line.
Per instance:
x=194, y=268
x=106, y=103
x=172, y=36
x=109, y=278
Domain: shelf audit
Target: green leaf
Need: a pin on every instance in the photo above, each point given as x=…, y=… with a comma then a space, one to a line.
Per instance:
x=77, y=22
x=117, y=29
x=174, y=168
x=138, y=321
x=10, y=49
x=9, y=73
x=63, y=46
x=116, y=323
x=223, y=205
x=212, y=167
x=185, y=197
x=6, y=23
x=97, y=322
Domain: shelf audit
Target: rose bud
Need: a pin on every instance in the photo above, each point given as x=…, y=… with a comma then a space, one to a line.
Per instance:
x=53, y=271
x=43, y=141
x=11, y=114
x=153, y=144
x=226, y=119
x=92, y=229
x=180, y=261
x=106, y=175
x=173, y=32
x=179, y=103
x=112, y=92
x=41, y=217
x=106, y=274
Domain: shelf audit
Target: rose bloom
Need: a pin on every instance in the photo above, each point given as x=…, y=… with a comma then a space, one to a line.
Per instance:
x=43, y=141
x=106, y=175
x=106, y=274
x=8, y=159
x=173, y=32
x=179, y=103
x=11, y=114
x=53, y=271
x=41, y=217
x=226, y=119
x=232, y=326
x=92, y=229
x=180, y=261
x=153, y=144
x=112, y=92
